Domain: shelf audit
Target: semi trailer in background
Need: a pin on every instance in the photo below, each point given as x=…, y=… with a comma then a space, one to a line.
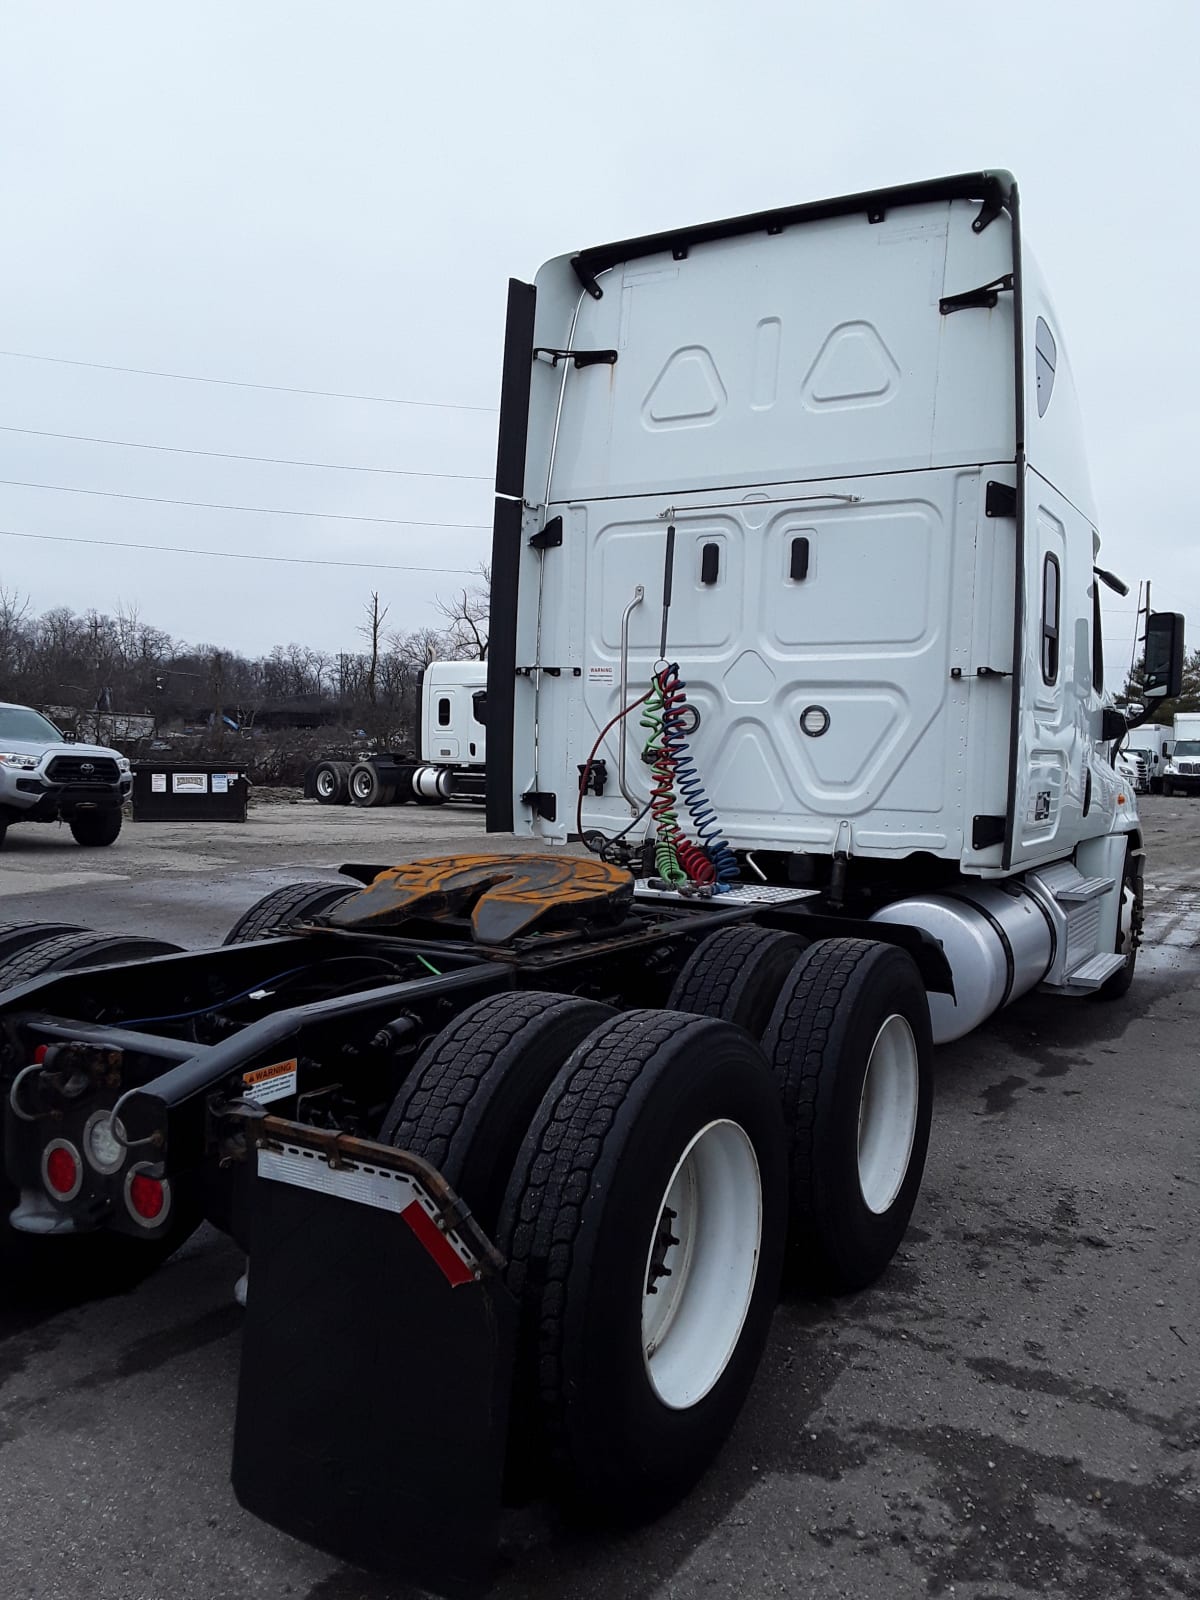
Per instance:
x=795, y=628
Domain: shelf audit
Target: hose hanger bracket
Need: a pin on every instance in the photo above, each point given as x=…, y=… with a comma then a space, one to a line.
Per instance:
x=581, y=358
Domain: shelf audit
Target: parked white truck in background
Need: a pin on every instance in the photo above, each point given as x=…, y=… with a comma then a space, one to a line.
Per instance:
x=1181, y=773
x=452, y=740
x=1153, y=741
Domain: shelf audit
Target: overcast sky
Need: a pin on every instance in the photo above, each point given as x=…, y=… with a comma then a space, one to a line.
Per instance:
x=333, y=196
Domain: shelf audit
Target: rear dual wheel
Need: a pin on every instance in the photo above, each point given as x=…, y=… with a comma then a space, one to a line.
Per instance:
x=851, y=1051
x=285, y=908
x=366, y=788
x=67, y=952
x=632, y=1168
x=330, y=783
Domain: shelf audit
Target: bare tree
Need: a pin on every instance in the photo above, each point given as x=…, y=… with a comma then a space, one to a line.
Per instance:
x=371, y=631
x=466, y=615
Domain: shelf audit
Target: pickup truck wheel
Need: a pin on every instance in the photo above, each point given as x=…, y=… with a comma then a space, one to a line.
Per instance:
x=851, y=1050
x=645, y=1225
x=95, y=828
x=283, y=908
x=469, y=1100
x=736, y=975
x=69, y=951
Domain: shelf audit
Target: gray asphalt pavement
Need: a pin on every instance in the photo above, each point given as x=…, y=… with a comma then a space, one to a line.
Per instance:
x=1011, y=1412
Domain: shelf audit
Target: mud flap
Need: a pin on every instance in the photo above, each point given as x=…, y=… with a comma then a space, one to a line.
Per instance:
x=377, y=1361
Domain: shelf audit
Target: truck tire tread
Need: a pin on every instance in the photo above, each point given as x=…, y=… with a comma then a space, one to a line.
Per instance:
x=805, y=1044
x=736, y=975
x=292, y=903
x=469, y=1100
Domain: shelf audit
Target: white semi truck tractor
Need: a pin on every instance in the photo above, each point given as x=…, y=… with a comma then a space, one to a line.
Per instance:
x=452, y=739
x=1181, y=771
x=795, y=638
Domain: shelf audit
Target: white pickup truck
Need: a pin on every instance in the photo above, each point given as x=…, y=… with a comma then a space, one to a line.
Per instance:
x=45, y=778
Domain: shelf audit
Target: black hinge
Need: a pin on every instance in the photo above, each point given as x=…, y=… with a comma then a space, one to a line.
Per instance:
x=985, y=831
x=581, y=358
x=551, y=535
x=1000, y=501
x=546, y=805
x=982, y=299
x=992, y=672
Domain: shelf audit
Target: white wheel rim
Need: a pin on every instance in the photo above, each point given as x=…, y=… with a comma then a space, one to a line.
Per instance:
x=1125, y=923
x=701, y=1265
x=363, y=784
x=887, y=1114
x=325, y=783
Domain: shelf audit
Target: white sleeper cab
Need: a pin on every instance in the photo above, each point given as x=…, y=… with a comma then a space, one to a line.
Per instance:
x=825, y=463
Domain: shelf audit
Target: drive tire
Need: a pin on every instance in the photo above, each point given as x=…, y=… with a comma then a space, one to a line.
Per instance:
x=67, y=952
x=93, y=829
x=736, y=974
x=850, y=1005
x=468, y=1102
x=17, y=936
x=581, y=1226
x=366, y=789
x=283, y=908
x=329, y=783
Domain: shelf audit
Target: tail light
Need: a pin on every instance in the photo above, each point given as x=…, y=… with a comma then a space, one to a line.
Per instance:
x=62, y=1169
x=147, y=1197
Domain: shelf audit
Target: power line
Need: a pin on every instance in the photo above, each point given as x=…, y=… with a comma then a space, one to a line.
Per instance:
x=241, y=383
x=220, y=505
x=230, y=455
x=229, y=555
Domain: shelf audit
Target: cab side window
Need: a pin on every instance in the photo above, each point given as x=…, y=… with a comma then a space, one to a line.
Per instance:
x=444, y=712
x=1045, y=361
x=1097, y=642
x=1051, y=585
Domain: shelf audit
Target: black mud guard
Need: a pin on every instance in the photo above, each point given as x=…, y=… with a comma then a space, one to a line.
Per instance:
x=372, y=1405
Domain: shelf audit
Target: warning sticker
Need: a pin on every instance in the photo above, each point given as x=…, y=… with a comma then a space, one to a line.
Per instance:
x=600, y=673
x=270, y=1083
x=158, y=783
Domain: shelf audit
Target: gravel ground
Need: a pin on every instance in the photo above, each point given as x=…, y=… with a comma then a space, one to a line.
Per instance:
x=1011, y=1412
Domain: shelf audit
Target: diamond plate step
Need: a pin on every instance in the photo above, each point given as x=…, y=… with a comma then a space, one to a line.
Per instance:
x=1095, y=971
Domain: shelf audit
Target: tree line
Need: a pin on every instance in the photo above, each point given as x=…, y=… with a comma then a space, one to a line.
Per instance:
x=121, y=665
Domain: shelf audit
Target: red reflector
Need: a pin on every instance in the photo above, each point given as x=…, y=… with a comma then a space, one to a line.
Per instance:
x=62, y=1170
x=40, y=1054
x=454, y=1268
x=146, y=1196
